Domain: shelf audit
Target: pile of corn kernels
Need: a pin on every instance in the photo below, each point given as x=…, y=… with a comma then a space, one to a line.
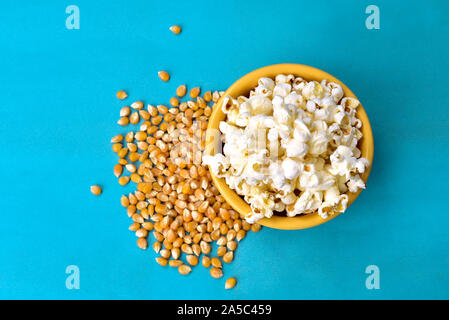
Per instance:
x=175, y=197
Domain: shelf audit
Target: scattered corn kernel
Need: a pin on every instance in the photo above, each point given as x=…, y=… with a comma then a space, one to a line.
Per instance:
x=123, y=121
x=184, y=269
x=216, y=262
x=161, y=261
x=207, y=96
x=216, y=272
x=157, y=246
x=181, y=91
x=175, y=29
x=137, y=105
x=124, y=201
x=163, y=75
x=125, y=111
x=175, y=263
x=255, y=227
x=230, y=283
x=192, y=260
x=142, y=243
x=118, y=170
x=117, y=138
x=206, y=262
x=96, y=190
x=123, y=180
x=174, y=101
x=195, y=92
x=134, y=118
x=228, y=257
x=122, y=94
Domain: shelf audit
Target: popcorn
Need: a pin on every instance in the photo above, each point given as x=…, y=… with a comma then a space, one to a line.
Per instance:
x=295, y=148
x=295, y=99
x=355, y=183
x=260, y=105
x=318, y=142
x=336, y=91
x=267, y=83
x=291, y=145
x=282, y=89
x=298, y=84
x=218, y=163
x=312, y=90
x=334, y=202
x=308, y=202
x=291, y=168
x=277, y=175
x=282, y=78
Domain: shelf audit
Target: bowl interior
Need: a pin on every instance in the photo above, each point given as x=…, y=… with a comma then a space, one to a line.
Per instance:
x=243, y=87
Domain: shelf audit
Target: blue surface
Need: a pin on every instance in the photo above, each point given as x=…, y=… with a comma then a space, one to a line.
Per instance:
x=58, y=112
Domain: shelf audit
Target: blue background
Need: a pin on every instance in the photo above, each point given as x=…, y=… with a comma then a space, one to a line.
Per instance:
x=58, y=111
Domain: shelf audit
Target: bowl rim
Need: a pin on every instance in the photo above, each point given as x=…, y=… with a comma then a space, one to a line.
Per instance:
x=245, y=84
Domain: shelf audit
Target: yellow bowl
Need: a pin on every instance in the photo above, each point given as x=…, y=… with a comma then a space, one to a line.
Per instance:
x=243, y=87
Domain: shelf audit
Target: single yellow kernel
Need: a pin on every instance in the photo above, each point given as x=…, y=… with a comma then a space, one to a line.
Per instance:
x=129, y=137
x=123, y=121
x=125, y=111
x=228, y=257
x=141, y=136
x=142, y=243
x=216, y=262
x=117, y=138
x=184, y=269
x=145, y=115
x=181, y=91
x=175, y=29
x=136, y=178
x=216, y=273
x=256, y=227
x=123, y=180
x=134, y=227
x=163, y=75
x=122, y=152
x=96, y=190
x=141, y=233
x=174, y=101
x=118, y=170
x=157, y=246
x=134, y=118
x=137, y=105
x=156, y=120
x=134, y=156
x=161, y=261
x=125, y=201
x=122, y=94
x=162, y=109
x=207, y=96
x=195, y=92
x=230, y=283
x=175, y=263
x=116, y=147
x=192, y=260
x=206, y=262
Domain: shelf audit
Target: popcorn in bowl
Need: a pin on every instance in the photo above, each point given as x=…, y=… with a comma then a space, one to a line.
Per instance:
x=291, y=146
